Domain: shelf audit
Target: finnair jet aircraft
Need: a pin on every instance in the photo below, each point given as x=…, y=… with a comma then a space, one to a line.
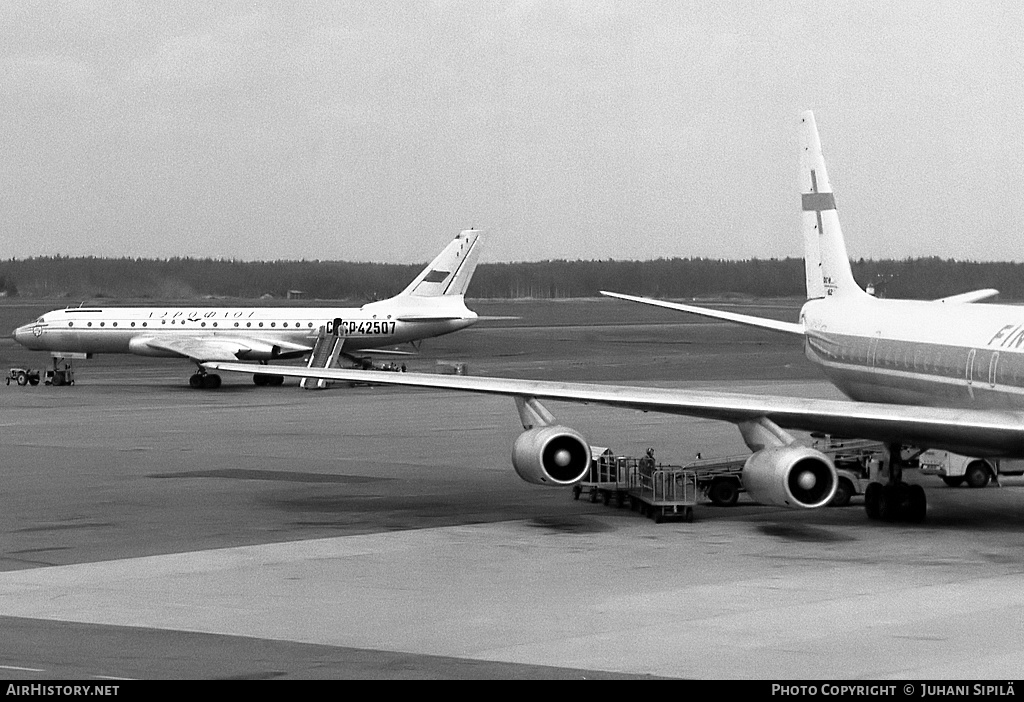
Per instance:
x=433, y=304
x=944, y=374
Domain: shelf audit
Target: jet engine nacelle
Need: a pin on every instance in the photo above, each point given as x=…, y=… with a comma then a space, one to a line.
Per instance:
x=551, y=455
x=258, y=351
x=790, y=476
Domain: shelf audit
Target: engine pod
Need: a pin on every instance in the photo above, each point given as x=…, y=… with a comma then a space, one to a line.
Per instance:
x=551, y=455
x=790, y=476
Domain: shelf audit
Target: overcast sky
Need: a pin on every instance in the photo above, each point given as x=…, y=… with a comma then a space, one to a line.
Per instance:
x=591, y=129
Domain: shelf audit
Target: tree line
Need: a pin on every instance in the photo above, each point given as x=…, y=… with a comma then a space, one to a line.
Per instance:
x=83, y=278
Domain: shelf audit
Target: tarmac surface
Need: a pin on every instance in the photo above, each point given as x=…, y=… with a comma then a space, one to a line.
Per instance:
x=152, y=531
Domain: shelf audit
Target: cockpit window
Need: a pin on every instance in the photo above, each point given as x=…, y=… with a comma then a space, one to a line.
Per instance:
x=40, y=320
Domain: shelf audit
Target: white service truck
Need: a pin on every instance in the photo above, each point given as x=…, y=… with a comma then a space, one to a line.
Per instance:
x=955, y=470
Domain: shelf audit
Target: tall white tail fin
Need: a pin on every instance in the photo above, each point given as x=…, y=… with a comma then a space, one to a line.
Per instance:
x=448, y=274
x=826, y=264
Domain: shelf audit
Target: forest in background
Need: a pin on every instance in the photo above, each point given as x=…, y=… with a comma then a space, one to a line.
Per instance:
x=87, y=278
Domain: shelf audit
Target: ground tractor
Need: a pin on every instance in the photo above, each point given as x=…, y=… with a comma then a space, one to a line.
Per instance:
x=61, y=374
x=23, y=376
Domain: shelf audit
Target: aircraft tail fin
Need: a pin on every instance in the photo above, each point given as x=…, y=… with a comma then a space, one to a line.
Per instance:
x=448, y=274
x=826, y=263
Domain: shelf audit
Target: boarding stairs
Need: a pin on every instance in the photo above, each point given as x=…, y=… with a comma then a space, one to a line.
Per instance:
x=325, y=355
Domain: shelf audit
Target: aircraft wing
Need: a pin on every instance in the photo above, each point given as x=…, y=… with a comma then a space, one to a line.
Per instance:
x=972, y=296
x=215, y=348
x=964, y=431
x=749, y=320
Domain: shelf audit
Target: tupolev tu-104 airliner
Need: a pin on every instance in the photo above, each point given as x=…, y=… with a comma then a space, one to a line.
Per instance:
x=431, y=305
x=941, y=374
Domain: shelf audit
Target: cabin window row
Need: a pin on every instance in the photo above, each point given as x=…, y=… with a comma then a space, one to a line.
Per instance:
x=297, y=325
x=979, y=365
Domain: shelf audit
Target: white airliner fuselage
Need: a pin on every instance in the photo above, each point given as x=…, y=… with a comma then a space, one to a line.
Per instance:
x=919, y=352
x=431, y=305
x=261, y=333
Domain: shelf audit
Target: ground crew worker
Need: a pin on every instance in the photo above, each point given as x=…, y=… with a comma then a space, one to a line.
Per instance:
x=647, y=462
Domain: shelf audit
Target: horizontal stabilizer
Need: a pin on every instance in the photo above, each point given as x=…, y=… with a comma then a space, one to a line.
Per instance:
x=424, y=318
x=749, y=320
x=973, y=296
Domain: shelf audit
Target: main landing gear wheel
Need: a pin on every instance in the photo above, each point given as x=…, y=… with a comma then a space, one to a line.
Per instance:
x=896, y=503
x=871, y=497
x=204, y=381
x=267, y=380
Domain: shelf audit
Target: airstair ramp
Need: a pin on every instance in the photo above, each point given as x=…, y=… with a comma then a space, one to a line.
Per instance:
x=325, y=355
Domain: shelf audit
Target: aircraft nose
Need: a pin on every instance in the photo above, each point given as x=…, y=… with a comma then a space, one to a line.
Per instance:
x=21, y=334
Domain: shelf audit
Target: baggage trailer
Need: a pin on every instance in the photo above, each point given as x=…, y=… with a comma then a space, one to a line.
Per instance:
x=609, y=477
x=664, y=491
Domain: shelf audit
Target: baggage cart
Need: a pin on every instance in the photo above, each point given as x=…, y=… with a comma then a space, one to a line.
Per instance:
x=664, y=491
x=608, y=477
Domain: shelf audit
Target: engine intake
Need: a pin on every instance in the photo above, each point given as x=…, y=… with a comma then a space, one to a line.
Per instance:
x=551, y=455
x=790, y=476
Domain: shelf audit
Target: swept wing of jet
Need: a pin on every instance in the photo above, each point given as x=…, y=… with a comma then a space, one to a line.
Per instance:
x=967, y=431
x=220, y=349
